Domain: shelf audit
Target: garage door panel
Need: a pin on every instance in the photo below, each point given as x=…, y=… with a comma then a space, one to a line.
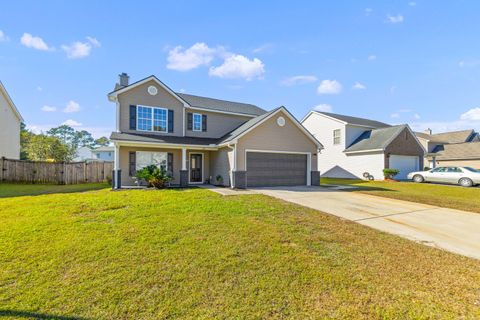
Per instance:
x=405, y=164
x=276, y=169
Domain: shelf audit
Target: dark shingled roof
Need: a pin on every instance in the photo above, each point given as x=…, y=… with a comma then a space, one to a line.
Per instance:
x=375, y=139
x=157, y=138
x=450, y=137
x=457, y=151
x=355, y=120
x=221, y=105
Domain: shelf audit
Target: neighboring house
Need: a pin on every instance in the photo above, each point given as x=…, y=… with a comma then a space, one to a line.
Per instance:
x=198, y=139
x=10, y=120
x=83, y=154
x=356, y=148
x=456, y=148
x=105, y=153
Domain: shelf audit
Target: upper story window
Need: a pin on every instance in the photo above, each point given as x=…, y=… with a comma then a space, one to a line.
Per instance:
x=197, y=122
x=152, y=119
x=337, y=136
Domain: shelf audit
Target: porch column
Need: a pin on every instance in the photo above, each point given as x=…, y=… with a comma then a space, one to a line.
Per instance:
x=184, y=170
x=117, y=172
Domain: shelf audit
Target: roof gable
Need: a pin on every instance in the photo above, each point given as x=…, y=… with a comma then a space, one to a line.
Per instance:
x=377, y=139
x=9, y=100
x=253, y=123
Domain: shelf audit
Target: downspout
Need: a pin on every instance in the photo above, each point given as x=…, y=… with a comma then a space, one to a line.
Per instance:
x=234, y=148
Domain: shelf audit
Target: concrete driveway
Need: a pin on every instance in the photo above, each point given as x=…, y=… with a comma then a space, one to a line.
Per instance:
x=452, y=230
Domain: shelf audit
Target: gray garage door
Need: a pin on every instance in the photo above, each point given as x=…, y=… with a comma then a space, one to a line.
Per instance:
x=276, y=169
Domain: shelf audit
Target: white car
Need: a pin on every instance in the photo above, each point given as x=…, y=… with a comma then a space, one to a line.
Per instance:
x=464, y=176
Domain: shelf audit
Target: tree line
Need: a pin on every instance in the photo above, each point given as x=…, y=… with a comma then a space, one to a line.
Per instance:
x=57, y=144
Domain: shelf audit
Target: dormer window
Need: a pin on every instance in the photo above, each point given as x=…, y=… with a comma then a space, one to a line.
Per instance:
x=197, y=122
x=337, y=136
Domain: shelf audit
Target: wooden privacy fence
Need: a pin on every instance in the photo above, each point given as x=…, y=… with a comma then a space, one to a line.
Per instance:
x=54, y=172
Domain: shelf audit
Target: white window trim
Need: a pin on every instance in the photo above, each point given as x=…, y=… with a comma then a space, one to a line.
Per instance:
x=339, y=137
x=193, y=122
x=153, y=117
x=190, y=167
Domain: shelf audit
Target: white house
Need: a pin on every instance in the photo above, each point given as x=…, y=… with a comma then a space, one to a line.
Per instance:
x=10, y=120
x=361, y=148
x=105, y=153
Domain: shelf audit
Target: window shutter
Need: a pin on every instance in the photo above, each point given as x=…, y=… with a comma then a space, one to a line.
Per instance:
x=189, y=121
x=170, y=121
x=133, y=117
x=204, y=122
x=132, y=163
x=170, y=163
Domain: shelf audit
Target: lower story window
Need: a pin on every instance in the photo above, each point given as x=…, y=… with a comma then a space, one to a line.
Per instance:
x=146, y=158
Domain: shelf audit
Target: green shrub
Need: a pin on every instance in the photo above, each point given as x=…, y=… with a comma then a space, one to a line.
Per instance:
x=390, y=173
x=154, y=176
x=219, y=179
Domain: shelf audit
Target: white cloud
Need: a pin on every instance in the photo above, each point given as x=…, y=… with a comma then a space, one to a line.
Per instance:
x=329, y=87
x=48, y=108
x=395, y=115
x=71, y=107
x=78, y=49
x=412, y=3
x=395, y=19
x=323, y=107
x=39, y=89
x=298, y=80
x=368, y=11
x=359, y=86
x=37, y=43
x=238, y=66
x=72, y=123
x=184, y=60
x=416, y=116
x=372, y=57
x=267, y=47
x=472, y=115
x=469, y=63
x=393, y=89
x=94, y=41
x=3, y=36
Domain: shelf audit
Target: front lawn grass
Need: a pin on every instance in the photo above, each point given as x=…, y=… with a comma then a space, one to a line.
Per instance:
x=447, y=196
x=17, y=190
x=194, y=254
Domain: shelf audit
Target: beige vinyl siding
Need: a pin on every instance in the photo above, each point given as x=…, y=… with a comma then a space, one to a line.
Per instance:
x=220, y=165
x=10, y=126
x=140, y=96
x=218, y=124
x=269, y=136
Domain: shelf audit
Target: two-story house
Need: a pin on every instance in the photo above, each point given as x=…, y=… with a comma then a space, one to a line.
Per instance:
x=201, y=140
x=360, y=148
x=10, y=120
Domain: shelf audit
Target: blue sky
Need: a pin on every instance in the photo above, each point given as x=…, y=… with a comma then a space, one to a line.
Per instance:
x=415, y=62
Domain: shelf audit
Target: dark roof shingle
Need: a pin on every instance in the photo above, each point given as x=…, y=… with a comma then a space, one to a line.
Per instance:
x=355, y=120
x=221, y=105
x=375, y=139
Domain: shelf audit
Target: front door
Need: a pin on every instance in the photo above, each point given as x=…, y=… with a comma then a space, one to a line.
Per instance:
x=196, y=167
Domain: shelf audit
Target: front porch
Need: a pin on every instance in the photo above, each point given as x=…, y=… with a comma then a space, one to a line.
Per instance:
x=188, y=165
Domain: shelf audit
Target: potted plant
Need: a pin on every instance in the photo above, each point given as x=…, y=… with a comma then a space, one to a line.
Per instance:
x=154, y=176
x=389, y=174
x=219, y=180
